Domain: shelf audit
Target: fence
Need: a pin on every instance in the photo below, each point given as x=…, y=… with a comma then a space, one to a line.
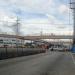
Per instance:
x=6, y=52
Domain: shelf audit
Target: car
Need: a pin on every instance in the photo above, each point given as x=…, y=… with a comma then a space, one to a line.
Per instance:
x=51, y=48
x=61, y=49
x=56, y=48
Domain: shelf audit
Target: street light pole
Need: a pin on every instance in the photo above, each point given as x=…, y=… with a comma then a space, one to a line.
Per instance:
x=74, y=28
x=72, y=6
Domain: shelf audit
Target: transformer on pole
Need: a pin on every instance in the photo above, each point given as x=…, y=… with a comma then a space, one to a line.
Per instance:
x=72, y=6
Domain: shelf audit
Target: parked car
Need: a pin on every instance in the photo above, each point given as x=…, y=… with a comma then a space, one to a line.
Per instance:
x=58, y=48
x=51, y=48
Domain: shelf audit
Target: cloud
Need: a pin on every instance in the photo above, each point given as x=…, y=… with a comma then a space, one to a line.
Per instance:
x=53, y=19
x=64, y=9
x=36, y=15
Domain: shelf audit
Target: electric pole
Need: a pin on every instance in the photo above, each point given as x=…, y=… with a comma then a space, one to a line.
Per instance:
x=72, y=6
x=17, y=27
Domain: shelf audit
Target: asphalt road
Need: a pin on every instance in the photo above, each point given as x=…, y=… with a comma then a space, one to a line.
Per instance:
x=50, y=63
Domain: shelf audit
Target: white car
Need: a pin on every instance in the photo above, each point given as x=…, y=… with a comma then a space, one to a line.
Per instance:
x=58, y=49
x=61, y=49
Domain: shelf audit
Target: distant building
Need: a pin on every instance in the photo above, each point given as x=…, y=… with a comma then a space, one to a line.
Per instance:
x=10, y=41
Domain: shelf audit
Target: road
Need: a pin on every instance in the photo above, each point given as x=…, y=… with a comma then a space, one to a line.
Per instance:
x=50, y=63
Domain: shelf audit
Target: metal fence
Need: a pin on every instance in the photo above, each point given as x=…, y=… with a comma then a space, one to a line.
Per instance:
x=6, y=52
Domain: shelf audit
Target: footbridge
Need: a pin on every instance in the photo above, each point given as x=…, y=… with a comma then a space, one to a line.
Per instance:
x=38, y=37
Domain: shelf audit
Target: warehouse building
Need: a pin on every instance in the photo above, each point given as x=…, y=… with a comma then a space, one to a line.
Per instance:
x=10, y=42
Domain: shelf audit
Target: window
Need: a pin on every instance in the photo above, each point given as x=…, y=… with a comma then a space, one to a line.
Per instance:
x=1, y=41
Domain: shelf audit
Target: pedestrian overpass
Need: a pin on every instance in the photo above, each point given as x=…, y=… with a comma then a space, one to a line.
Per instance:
x=38, y=37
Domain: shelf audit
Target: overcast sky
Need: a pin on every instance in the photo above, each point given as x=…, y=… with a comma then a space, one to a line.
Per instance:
x=48, y=16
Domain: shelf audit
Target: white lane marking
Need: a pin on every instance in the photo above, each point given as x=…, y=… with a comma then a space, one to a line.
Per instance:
x=72, y=58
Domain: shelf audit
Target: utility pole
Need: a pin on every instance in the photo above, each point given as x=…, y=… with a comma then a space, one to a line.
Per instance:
x=17, y=27
x=72, y=6
x=17, y=31
x=41, y=33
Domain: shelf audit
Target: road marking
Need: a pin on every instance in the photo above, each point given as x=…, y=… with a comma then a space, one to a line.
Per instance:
x=72, y=58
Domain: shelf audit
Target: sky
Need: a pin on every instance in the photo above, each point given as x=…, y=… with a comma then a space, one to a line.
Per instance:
x=36, y=16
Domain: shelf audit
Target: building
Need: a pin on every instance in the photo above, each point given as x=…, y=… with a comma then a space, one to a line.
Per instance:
x=10, y=42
